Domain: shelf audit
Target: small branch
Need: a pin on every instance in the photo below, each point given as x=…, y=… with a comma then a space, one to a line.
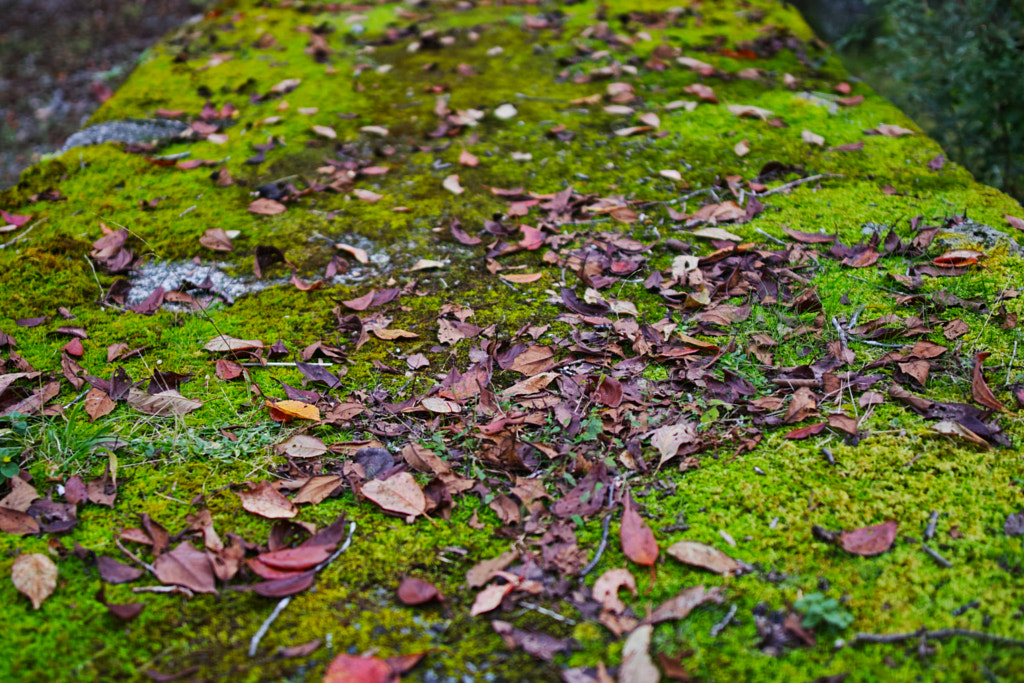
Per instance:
x=604, y=535
x=22, y=235
x=290, y=365
x=720, y=626
x=844, y=340
x=548, y=613
x=936, y=556
x=773, y=238
x=265, y=626
x=940, y=634
x=933, y=521
x=796, y=183
x=148, y=567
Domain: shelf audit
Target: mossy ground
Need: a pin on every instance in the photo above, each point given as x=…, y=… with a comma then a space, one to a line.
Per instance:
x=766, y=500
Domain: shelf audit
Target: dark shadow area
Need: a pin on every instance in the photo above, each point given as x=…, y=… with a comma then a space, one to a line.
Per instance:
x=60, y=59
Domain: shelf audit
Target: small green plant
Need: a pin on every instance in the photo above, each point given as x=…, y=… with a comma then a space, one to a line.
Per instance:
x=13, y=429
x=818, y=609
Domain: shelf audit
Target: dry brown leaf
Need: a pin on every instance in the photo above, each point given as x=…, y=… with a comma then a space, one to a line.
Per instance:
x=531, y=385
x=17, y=523
x=451, y=183
x=325, y=132
x=812, y=138
x=490, y=598
x=669, y=438
x=399, y=494
x=482, y=572
x=266, y=501
x=742, y=148
x=286, y=411
x=637, y=539
x=226, y=343
x=637, y=665
x=870, y=540
x=318, y=488
x=979, y=389
x=97, y=404
x=681, y=605
x=216, y=239
x=700, y=555
x=266, y=207
x=165, y=403
x=21, y=496
x=185, y=566
x=35, y=576
x=301, y=446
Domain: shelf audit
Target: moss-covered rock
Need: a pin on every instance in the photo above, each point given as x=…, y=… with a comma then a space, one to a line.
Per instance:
x=534, y=93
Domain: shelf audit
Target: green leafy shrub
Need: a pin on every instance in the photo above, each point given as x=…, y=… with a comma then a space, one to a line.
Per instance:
x=955, y=67
x=820, y=610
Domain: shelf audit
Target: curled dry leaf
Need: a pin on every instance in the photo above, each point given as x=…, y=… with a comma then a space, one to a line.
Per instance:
x=451, y=183
x=704, y=556
x=17, y=523
x=440, y=405
x=812, y=138
x=296, y=559
x=606, y=589
x=979, y=389
x=399, y=494
x=670, y=438
x=637, y=539
x=325, y=132
x=35, y=576
x=266, y=501
x=317, y=489
x=870, y=540
x=742, y=148
x=97, y=404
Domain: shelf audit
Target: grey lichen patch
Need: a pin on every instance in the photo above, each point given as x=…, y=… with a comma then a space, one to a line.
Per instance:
x=134, y=131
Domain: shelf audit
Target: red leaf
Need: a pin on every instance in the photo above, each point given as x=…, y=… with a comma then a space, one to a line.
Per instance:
x=280, y=588
x=979, y=389
x=637, y=539
x=415, y=591
x=294, y=559
x=349, y=669
x=809, y=430
x=869, y=540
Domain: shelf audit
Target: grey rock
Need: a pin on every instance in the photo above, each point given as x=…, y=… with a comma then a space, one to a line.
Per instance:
x=967, y=233
x=127, y=130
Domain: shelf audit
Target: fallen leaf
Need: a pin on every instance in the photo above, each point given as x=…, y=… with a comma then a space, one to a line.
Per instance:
x=34, y=575
x=399, y=494
x=266, y=501
x=979, y=389
x=540, y=645
x=301, y=446
x=266, y=207
x=17, y=523
x=357, y=253
x=1014, y=221
x=704, y=556
x=742, y=148
x=318, y=488
x=750, y=111
x=670, y=438
x=216, y=239
x=870, y=540
x=187, y=567
x=224, y=343
x=451, y=183
x=415, y=591
x=283, y=587
x=490, y=598
x=440, y=405
x=285, y=411
x=681, y=605
x=21, y=496
x=296, y=559
x=892, y=131
x=812, y=138
x=482, y=572
x=637, y=539
x=467, y=159
x=717, y=234
x=164, y=403
x=116, y=572
x=325, y=132
x=637, y=665
x=606, y=589
x=97, y=404
x=948, y=428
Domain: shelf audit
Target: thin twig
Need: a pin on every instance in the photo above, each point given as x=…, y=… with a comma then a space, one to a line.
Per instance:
x=76, y=399
x=265, y=626
x=720, y=626
x=940, y=634
x=604, y=535
x=936, y=556
x=548, y=613
x=1009, y=368
x=773, y=238
x=844, y=341
x=795, y=183
x=148, y=567
x=22, y=235
x=929, y=530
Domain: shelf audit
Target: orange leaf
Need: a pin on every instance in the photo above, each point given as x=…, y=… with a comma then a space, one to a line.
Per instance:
x=286, y=411
x=979, y=389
